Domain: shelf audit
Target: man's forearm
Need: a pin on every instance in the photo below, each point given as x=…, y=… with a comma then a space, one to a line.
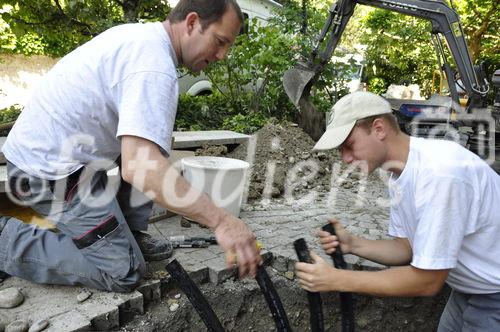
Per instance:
x=176, y=194
x=145, y=168
x=387, y=252
x=398, y=281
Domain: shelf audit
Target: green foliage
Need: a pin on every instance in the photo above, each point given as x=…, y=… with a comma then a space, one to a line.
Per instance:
x=56, y=27
x=10, y=113
x=200, y=112
x=377, y=85
x=248, y=86
x=249, y=79
x=399, y=50
x=481, y=22
x=246, y=124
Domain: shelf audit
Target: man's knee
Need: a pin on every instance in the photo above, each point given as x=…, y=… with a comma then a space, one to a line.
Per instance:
x=125, y=285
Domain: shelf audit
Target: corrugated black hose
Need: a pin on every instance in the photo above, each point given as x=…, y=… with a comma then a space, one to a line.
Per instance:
x=346, y=300
x=193, y=293
x=273, y=300
x=315, y=305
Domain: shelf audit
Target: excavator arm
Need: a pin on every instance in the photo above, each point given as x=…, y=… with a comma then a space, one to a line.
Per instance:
x=445, y=21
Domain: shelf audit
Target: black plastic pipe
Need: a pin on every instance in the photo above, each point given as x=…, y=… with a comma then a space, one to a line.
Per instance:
x=273, y=300
x=346, y=300
x=193, y=293
x=314, y=298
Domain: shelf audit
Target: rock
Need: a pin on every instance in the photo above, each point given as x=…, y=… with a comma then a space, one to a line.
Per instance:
x=17, y=326
x=10, y=297
x=39, y=325
x=177, y=296
x=83, y=296
x=289, y=275
x=174, y=307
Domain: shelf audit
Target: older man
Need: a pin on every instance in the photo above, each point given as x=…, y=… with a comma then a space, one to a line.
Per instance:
x=114, y=99
x=444, y=218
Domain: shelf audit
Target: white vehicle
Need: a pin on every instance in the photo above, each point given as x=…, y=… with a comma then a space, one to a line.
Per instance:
x=262, y=10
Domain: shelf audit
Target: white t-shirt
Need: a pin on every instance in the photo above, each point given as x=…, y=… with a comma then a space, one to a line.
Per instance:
x=122, y=82
x=446, y=202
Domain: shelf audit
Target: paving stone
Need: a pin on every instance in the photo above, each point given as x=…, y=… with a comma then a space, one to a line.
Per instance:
x=150, y=290
x=133, y=305
x=218, y=272
x=202, y=255
x=71, y=321
x=198, y=272
x=102, y=316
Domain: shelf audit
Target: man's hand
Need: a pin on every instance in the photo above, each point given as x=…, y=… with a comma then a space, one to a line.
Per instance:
x=330, y=242
x=238, y=241
x=316, y=277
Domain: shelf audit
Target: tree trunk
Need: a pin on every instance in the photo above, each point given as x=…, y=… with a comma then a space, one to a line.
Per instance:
x=303, y=30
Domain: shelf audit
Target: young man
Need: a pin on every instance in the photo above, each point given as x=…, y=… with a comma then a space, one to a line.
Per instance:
x=114, y=99
x=445, y=218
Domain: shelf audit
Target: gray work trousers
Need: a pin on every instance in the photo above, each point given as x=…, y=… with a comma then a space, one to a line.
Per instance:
x=93, y=244
x=471, y=313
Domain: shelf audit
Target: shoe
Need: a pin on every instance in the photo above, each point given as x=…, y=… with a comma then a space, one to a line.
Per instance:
x=153, y=249
x=3, y=276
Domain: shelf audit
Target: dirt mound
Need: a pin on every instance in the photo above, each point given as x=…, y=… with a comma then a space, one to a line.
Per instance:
x=283, y=163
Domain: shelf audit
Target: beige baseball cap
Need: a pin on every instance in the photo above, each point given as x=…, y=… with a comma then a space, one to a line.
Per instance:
x=349, y=109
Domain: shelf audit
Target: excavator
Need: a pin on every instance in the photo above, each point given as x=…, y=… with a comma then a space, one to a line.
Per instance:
x=474, y=125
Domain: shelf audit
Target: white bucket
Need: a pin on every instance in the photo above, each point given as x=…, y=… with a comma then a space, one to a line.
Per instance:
x=223, y=179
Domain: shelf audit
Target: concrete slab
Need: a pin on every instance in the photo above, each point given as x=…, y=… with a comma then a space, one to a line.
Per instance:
x=193, y=139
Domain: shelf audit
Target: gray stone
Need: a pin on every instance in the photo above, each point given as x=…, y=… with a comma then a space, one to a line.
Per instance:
x=10, y=297
x=17, y=326
x=39, y=325
x=83, y=296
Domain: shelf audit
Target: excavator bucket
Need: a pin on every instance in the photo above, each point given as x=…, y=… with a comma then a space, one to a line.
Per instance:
x=295, y=81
